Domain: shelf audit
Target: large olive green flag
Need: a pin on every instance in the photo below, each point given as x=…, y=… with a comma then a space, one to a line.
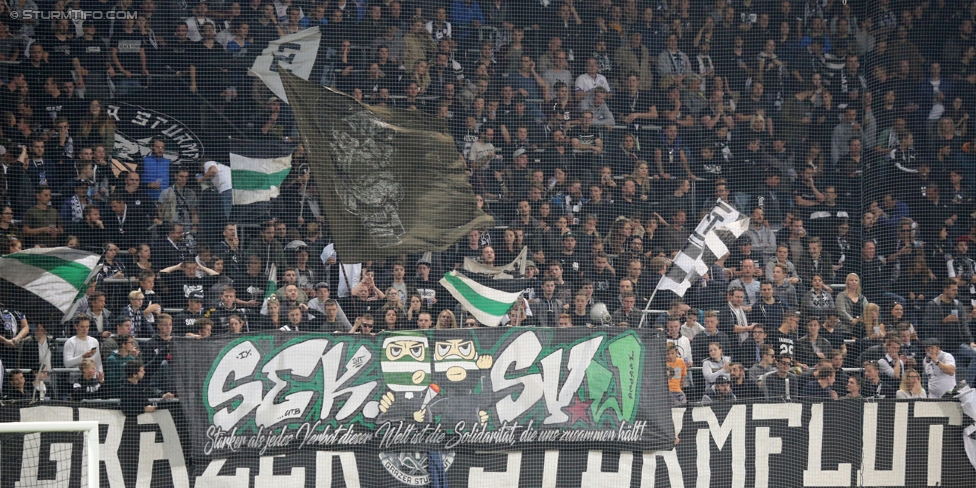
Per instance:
x=391, y=181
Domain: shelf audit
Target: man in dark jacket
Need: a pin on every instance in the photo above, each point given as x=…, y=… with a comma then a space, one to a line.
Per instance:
x=946, y=320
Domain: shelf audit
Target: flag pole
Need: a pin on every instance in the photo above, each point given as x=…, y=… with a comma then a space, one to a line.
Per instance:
x=647, y=309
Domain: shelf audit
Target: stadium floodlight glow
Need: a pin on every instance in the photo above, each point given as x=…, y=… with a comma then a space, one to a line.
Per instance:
x=91, y=440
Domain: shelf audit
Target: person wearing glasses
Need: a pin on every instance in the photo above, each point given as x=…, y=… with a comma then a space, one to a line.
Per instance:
x=766, y=363
x=911, y=386
x=782, y=383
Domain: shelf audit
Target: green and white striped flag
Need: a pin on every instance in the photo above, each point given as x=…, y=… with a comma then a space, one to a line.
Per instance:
x=486, y=304
x=59, y=275
x=257, y=179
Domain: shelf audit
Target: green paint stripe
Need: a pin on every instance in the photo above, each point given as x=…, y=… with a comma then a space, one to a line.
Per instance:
x=72, y=272
x=242, y=179
x=477, y=300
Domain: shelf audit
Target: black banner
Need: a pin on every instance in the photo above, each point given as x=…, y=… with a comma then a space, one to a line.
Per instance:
x=834, y=444
x=443, y=390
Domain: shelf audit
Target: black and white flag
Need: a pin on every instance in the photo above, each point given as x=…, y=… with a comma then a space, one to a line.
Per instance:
x=709, y=242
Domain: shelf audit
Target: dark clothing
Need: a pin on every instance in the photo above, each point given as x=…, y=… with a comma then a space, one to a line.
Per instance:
x=814, y=390
x=882, y=389
x=133, y=398
x=86, y=390
x=699, y=345
x=775, y=387
x=186, y=322
x=783, y=343
x=747, y=389
x=769, y=315
x=950, y=334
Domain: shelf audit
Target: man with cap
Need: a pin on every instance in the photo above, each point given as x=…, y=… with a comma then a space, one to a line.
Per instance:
x=940, y=367
x=722, y=392
x=186, y=320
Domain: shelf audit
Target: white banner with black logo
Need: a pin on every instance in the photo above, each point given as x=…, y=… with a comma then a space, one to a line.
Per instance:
x=294, y=52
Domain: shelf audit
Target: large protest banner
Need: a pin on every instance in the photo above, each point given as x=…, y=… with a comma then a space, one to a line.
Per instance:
x=893, y=444
x=443, y=390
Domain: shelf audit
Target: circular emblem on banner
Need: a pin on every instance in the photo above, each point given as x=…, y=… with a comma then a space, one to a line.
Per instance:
x=136, y=127
x=410, y=468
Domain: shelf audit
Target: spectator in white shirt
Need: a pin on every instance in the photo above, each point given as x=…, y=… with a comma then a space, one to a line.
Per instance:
x=81, y=346
x=940, y=367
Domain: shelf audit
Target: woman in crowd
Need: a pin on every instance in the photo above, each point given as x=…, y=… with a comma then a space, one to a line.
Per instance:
x=7, y=227
x=850, y=303
x=715, y=365
x=112, y=267
x=874, y=329
x=234, y=324
x=97, y=128
x=508, y=250
x=419, y=75
x=911, y=386
x=415, y=308
x=620, y=233
x=390, y=319
x=897, y=315
x=626, y=155
x=393, y=301
x=642, y=177
x=446, y=320
x=143, y=257
x=273, y=320
x=812, y=348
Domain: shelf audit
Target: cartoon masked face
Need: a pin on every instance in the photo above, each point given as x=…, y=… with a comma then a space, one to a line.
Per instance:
x=454, y=358
x=404, y=362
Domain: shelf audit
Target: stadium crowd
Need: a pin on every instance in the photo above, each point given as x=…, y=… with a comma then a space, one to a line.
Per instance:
x=596, y=132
